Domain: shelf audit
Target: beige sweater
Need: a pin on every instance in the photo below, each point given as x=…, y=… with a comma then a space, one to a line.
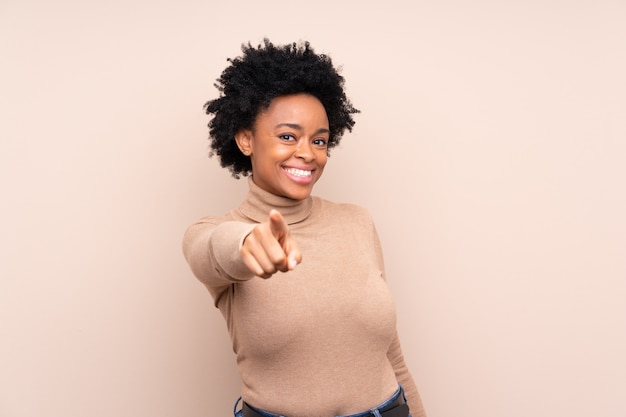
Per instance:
x=317, y=341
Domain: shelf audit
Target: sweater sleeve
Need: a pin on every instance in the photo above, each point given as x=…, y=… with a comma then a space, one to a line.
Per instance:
x=405, y=379
x=211, y=249
x=394, y=354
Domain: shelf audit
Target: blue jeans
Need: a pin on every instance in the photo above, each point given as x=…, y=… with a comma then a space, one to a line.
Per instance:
x=373, y=412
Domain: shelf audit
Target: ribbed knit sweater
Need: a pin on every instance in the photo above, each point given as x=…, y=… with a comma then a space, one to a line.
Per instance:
x=320, y=340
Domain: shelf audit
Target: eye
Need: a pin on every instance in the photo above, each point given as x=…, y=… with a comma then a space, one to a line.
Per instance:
x=320, y=142
x=287, y=137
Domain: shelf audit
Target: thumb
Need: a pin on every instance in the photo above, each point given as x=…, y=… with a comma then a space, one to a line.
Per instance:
x=294, y=256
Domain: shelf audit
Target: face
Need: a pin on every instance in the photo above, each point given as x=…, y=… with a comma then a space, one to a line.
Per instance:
x=288, y=145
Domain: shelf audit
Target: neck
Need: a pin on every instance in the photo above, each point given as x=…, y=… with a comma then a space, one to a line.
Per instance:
x=259, y=203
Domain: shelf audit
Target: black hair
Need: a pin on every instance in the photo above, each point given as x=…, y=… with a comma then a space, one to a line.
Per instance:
x=249, y=84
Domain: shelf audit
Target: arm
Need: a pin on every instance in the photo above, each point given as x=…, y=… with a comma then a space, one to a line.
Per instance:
x=212, y=248
x=221, y=254
x=405, y=379
x=394, y=354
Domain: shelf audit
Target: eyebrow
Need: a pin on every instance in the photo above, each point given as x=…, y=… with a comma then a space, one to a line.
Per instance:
x=298, y=127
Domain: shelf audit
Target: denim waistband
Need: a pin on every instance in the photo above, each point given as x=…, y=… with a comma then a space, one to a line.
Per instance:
x=374, y=411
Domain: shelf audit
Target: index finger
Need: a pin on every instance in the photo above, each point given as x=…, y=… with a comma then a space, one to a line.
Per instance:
x=278, y=225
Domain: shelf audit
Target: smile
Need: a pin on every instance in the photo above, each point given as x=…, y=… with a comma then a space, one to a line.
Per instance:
x=301, y=173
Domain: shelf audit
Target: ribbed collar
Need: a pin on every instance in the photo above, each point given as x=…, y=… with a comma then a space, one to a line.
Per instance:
x=259, y=202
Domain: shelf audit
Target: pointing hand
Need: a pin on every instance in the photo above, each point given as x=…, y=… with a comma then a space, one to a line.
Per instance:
x=270, y=247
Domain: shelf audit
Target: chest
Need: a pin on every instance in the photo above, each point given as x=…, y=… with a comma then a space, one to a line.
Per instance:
x=337, y=291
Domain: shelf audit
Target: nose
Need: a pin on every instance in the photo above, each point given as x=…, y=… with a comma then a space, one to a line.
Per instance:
x=305, y=151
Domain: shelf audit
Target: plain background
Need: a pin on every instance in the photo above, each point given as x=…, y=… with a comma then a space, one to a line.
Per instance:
x=490, y=151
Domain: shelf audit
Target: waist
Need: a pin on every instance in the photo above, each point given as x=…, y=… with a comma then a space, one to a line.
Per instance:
x=395, y=406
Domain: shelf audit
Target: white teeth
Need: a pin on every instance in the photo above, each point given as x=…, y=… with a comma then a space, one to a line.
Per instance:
x=298, y=172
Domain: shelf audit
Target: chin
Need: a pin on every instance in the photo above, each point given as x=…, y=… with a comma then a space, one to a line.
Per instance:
x=300, y=194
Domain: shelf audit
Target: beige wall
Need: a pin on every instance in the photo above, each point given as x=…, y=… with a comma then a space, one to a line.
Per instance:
x=490, y=150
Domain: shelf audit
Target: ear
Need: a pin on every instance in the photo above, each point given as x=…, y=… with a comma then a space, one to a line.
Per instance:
x=244, y=141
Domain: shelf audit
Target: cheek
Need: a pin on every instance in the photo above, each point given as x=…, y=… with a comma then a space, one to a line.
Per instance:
x=281, y=152
x=322, y=159
x=272, y=155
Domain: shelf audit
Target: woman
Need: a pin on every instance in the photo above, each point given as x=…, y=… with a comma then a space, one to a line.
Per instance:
x=299, y=280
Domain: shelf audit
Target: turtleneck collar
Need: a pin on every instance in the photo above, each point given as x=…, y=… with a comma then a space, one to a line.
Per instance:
x=259, y=202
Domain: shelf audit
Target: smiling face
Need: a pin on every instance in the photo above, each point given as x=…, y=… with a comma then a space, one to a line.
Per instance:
x=288, y=145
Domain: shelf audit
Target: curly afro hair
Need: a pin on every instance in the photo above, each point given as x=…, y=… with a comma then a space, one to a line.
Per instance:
x=249, y=84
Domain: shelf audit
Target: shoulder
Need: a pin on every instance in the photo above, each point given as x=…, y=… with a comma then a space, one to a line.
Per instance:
x=211, y=220
x=208, y=223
